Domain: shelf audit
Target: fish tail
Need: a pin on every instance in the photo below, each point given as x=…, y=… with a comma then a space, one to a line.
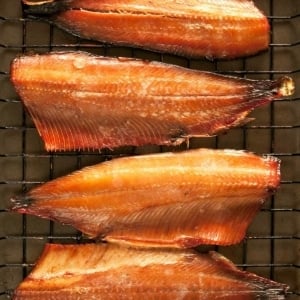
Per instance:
x=45, y=7
x=21, y=203
x=281, y=87
x=285, y=86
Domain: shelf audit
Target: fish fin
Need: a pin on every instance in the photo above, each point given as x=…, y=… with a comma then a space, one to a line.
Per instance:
x=246, y=121
x=206, y=221
x=264, y=287
x=222, y=260
x=60, y=129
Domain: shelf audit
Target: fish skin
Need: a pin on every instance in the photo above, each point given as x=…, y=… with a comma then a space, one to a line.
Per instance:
x=179, y=200
x=83, y=102
x=193, y=28
x=106, y=271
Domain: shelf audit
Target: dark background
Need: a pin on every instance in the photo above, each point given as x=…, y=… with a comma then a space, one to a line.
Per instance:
x=271, y=248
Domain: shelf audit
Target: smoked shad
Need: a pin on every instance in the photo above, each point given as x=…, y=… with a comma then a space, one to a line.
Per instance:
x=193, y=28
x=84, y=102
x=170, y=199
x=109, y=272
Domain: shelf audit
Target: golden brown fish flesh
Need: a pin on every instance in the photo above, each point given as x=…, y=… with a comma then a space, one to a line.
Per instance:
x=107, y=272
x=170, y=199
x=193, y=28
x=83, y=102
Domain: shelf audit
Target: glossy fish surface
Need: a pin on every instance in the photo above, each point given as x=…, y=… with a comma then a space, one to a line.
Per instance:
x=181, y=199
x=193, y=28
x=103, y=271
x=83, y=102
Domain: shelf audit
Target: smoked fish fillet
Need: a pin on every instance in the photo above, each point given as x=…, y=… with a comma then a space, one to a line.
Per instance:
x=105, y=271
x=192, y=28
x=84, y=102
x=181, y=199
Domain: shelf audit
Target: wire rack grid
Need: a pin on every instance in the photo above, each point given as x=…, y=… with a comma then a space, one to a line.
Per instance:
x=271, y=248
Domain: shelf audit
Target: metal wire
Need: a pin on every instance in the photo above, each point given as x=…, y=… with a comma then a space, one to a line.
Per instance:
x=25, y=237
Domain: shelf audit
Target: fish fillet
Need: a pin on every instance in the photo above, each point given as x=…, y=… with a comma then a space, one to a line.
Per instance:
x=182, y=199
x=83, y=102
x=103, y=271
x=193, y=28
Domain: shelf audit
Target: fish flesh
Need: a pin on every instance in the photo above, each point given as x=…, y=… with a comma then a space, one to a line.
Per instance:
x=183, y=199
x=83, y=102
x=192, y=28
x=105, y=271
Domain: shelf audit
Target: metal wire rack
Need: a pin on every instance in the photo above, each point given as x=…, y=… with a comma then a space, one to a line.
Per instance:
x=271, y=248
